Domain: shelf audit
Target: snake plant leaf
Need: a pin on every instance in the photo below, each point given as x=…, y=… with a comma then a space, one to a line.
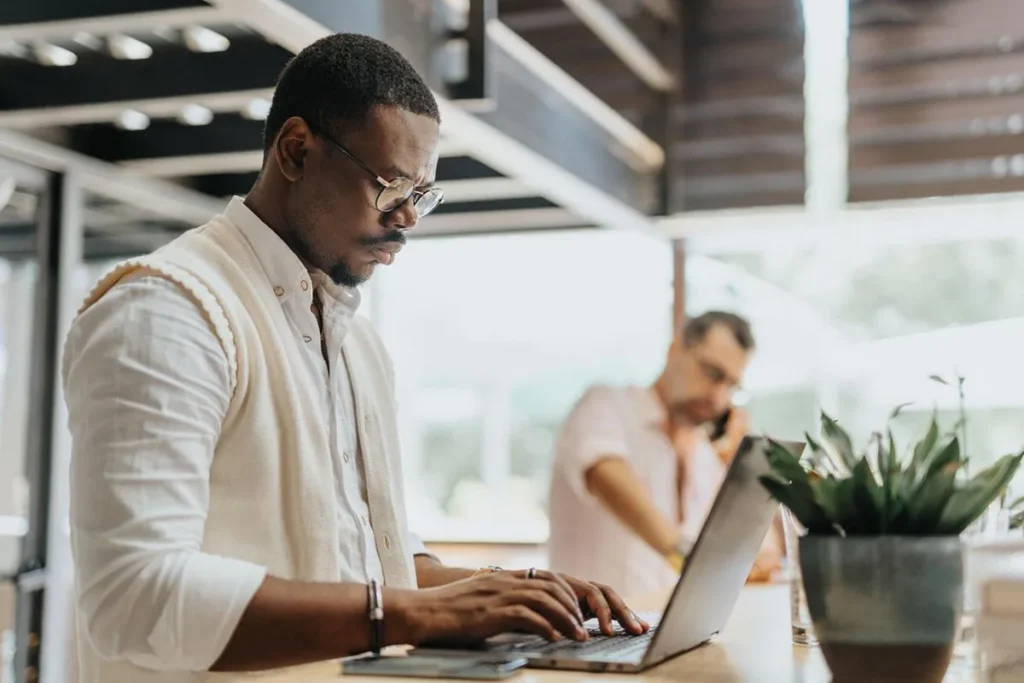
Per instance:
x=840, y=441
x=926, y=508
x=942, y=457
x=820, y=459
x=926, y=445
x=897, y=509
x=894, y=457
x=899, y=409
x=800, y=502
x=784, y=463
x=869, y=499
x=968, y=503
x=824, y=491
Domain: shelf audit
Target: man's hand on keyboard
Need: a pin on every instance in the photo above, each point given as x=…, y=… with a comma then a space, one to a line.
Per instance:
x=600, y=601
x=474, y=609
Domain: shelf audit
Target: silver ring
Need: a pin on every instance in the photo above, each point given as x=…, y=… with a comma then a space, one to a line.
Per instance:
x=531, y=573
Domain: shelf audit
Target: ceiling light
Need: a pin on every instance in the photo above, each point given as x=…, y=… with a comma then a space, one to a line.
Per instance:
x=88, y=40
x=130, y=119
x=126, y=47
x=53, y=55
x=195, y=115
x=13, y=49
x=7, y=187
x=256, y=110
x=202, y=39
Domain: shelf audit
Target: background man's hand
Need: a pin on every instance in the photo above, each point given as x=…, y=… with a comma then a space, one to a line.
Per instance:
x=737, y=427
x=477, y=608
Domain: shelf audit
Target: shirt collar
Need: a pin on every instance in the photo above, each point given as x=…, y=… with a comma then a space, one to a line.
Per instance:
x=649, y=408
x=287, y=274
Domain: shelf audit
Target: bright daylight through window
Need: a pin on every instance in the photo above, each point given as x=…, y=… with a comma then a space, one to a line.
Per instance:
x=494, y=338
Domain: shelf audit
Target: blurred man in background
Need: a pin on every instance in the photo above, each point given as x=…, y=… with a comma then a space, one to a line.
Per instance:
x=637, y=468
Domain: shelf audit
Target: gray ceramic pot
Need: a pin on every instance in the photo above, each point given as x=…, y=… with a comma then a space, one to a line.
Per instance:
x=884, y=608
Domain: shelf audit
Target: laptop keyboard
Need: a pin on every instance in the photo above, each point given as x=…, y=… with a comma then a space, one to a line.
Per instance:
x=621, y=646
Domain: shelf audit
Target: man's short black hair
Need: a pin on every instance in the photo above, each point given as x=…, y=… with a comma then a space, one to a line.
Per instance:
x=340, y=78
x=696, y=329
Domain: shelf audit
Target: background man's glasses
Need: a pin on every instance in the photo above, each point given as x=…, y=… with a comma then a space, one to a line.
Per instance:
x=396, y=192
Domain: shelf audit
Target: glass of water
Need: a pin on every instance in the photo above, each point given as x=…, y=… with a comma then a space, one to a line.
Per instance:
x=800, y=616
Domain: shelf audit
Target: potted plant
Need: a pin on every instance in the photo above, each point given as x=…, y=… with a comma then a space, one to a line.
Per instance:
x=881, y=559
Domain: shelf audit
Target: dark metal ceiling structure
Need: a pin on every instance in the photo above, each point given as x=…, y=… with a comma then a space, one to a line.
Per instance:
x=558, y=113
x=176, y=91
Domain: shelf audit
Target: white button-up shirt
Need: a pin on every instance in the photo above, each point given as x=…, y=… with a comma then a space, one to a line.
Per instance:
x=145, y=355
x=587, y=539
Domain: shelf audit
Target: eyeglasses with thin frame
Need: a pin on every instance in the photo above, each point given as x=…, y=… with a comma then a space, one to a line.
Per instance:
x=397, y=191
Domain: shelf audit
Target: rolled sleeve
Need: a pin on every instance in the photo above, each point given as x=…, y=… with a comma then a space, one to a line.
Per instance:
x=147, y=387
x=594, y=431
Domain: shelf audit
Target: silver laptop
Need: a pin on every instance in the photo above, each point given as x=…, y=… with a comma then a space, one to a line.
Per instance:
x=704, y=597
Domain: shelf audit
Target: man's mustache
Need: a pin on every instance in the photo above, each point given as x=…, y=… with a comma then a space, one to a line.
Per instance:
x=393, y=236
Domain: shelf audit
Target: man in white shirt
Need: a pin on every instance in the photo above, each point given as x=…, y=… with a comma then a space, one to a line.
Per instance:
x=236, y=489
x=635, y=471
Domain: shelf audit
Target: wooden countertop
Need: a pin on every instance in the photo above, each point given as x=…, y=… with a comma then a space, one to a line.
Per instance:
x=755, y=646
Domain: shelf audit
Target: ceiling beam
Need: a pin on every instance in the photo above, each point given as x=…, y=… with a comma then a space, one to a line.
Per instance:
x=50, y=11
x=624, y=43
x=135, y=22
x=533, y=133
x=158, y=198
x=244, y=161
x=230, y=102
x=651, y=155
x=248, y=65
x=498, y=221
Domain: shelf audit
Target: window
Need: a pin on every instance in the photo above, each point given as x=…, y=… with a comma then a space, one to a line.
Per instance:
x=494, y=339
x=860, y=328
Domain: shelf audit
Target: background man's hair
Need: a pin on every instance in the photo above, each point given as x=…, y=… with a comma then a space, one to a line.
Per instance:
x=341, y=78
x=696, y=329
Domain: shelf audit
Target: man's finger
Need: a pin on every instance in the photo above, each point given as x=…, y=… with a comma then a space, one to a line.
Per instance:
x=522, y=618
x=570, y=593
x=623, y=614
x=599, y=608
x=549, y=607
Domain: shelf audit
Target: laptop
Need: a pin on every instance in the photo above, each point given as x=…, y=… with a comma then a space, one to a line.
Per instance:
x=704, y=596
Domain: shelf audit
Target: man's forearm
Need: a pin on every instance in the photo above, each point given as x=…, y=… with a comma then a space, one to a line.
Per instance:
x=288, y=623
x=613, y=482
x=430, y=573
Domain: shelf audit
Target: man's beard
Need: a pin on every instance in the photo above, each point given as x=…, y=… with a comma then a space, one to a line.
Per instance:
x=339, y=271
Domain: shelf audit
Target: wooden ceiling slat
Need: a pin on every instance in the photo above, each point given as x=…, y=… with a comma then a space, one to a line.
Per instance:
x=757, y=162
x=936, y=72
x=951, y=188
x=948, y=111
x=865, y=156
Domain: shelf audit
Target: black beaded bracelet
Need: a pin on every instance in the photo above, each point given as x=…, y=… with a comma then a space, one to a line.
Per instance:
x=375, y=612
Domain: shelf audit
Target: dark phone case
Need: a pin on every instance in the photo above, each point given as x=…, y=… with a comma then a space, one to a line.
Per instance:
x=718, y=430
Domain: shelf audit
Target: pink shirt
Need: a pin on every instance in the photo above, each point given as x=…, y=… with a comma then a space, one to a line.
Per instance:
x=587, y=540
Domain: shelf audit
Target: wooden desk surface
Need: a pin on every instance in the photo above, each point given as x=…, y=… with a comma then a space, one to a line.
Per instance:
x=755, y=646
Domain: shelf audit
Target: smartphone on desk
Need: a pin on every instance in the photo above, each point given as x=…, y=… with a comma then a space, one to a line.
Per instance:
x=480, y=667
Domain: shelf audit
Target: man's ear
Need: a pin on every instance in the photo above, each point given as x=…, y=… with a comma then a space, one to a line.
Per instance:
x=291, y=147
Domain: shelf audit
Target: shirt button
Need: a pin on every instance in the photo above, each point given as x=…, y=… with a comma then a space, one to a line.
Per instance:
x=305, y=285
x=279, y=291
x=307, y=338
x=387, y=542
x=345, y=456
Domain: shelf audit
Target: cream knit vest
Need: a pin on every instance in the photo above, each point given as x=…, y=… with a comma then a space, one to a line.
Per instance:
x=272, y=496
